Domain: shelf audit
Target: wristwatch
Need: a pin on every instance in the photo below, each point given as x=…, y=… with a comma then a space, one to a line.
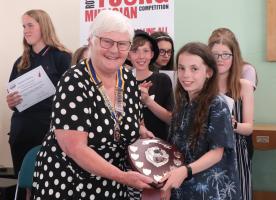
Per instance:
x=235, y=125
x=189, y=172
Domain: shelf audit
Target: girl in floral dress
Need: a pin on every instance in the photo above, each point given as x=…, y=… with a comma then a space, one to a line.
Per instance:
x=201, y=128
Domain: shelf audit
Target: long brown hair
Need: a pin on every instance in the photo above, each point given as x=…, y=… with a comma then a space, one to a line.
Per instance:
x=48, y=34
x=226, y=37
x=78, y=55
x=205, y=96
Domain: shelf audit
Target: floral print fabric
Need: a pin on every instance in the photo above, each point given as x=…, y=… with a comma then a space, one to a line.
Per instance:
x=221, y=180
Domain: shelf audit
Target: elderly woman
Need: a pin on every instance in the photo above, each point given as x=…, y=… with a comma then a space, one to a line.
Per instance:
x=96, y=115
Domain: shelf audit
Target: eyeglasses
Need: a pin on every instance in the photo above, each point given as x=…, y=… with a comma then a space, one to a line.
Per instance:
x=224, y=56
x=107, y=43
x=163, y=52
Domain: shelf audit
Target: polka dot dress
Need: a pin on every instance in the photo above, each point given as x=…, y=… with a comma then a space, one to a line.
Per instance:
x=78, y=105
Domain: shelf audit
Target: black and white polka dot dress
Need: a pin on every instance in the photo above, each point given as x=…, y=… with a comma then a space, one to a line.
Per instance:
x=78, y=105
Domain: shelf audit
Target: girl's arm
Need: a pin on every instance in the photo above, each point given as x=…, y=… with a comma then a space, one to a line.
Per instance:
x=176, y=177
x=160, y=112
x=247, y=95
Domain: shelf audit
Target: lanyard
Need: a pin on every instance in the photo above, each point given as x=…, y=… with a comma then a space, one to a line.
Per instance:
x=116, y=113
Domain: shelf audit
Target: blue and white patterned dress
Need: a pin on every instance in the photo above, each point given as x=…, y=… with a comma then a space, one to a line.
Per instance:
x=220, y=181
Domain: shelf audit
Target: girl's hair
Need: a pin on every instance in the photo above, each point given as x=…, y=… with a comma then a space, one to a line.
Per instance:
x=139, y=41
x=162, y=36
x=111, y=21
x=226, y=37
x=48, y=35
x=78, y=54
x=207, y=93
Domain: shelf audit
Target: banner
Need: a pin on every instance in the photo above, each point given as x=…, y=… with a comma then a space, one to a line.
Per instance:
x=148, y=15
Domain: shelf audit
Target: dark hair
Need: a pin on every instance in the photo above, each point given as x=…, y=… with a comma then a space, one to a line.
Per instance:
x=162, y=36
x=205, y=96
x=78, y=55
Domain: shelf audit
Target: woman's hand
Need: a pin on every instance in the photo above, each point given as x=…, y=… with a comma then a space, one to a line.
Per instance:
x=144, y=88
x=136, y=180
x=172, y=179
x=13, y=99
x=144, y=132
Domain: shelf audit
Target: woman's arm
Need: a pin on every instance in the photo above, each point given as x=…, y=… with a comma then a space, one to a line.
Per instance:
x=247, y=95
x=74, y=144
x=176, y=177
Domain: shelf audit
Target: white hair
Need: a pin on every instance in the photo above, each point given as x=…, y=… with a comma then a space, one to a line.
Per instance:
x=110, y=21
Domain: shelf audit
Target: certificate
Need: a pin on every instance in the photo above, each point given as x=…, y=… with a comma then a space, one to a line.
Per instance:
x=34, y=86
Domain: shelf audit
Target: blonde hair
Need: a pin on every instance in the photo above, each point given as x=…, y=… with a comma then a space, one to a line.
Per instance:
x=48, y=35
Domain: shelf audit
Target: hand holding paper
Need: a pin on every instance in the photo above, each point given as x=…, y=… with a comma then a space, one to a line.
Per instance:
x=33, y=87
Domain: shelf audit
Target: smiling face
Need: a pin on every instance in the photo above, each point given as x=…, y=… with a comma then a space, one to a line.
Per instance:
x=141, y=56
x=32, y=32
x=107, y=60
x=164, y=46
x=192, y=73
x=223, y=64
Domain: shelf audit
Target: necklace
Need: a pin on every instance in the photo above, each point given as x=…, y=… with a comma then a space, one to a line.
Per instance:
x=117, y=112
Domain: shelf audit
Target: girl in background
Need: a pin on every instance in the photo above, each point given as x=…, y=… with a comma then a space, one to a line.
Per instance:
x=165, y=59
x=80, y=54
x=41, y=47
x=156, y=88
x=226, y=51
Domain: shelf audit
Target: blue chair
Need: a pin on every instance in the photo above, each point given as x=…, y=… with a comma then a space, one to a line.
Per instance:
x=25, y=175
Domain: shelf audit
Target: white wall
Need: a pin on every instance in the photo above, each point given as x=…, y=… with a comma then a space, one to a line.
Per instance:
x=66, y=18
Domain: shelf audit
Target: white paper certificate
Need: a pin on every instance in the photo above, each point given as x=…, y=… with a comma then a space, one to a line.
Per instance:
x=34, y=86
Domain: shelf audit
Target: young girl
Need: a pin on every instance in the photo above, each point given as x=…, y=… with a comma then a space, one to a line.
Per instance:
x=156, y=88
x=248, y=72
x=228, y=57
x=41, y=47
x=165, y=58
x=201, y=128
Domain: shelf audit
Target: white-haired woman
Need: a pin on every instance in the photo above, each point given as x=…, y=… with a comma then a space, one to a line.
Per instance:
x=96, y=115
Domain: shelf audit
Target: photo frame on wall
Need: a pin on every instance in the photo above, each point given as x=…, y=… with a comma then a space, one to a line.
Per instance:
x=271, y=30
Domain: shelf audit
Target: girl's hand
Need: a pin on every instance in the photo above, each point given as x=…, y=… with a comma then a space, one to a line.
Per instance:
x=234, y=122
x=144, y=88
x=13, y=99
x=173, y=179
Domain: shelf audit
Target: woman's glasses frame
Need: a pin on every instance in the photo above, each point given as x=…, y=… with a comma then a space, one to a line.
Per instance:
x=107, y=43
